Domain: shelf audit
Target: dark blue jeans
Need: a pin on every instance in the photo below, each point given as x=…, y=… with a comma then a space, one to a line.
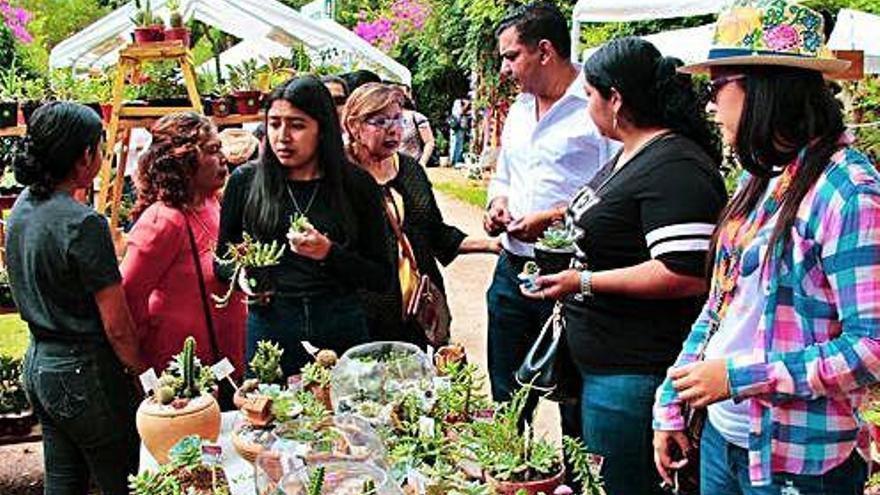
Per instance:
x=616, y=415
x=724, y=470
x=86, y=405
x=334, y=322
x=514, y=323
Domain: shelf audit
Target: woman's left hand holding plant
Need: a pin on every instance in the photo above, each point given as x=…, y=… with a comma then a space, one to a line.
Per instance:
x=555, y=286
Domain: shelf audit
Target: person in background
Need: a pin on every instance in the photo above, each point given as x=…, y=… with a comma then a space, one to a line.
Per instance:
x=459, y=123
x=358, y=78
x=373, y=120
x=83, y=356
x=338, y=89
x=177, y=210
x=790, y=330
x=417, y=139
x=645, y=222
x=259, y=132
x=303, y=171
x=549, y=149
x=239, y=146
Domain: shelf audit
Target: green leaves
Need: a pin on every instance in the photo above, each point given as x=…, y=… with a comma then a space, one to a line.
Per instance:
x=266, y=363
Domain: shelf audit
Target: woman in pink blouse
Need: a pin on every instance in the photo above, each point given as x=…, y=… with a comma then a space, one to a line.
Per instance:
x=178, y=180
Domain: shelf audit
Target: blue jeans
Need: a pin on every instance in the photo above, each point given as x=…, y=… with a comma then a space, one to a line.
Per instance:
x=724, y=470
x=334, y=322
x=616, y=418
x=86, y=405
x=456, y=146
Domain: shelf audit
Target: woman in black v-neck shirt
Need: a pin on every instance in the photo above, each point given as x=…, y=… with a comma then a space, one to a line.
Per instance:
x=640, y=276
x=303, y=171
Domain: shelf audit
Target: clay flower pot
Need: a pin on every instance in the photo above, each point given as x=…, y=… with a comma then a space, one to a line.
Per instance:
x=149, y=34
x=178, y=34
x=322, y=394
x=160, y=427
x=247, y=102
x=529, y=487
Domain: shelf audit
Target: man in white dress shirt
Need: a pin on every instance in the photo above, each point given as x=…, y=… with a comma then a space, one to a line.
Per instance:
x=549, y=149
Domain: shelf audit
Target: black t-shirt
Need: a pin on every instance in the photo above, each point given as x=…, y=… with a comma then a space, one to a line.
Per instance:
x=354, y=262
x=661, y=205
x=59, y=253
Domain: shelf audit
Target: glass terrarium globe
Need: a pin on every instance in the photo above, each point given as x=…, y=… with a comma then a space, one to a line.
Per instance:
x=340, y=478
x=343, y=437
x=370, y=378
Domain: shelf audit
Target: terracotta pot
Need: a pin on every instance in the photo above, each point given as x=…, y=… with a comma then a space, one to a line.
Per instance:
x=246, y=449
x=247, y=102
x=220, y=107
x=160, y=427
x=528, y=487
x=149, y=34
x=322, y=394
x=178, y=34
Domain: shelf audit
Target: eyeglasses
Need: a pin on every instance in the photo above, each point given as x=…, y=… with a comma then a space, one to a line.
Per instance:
x=339, y=100
x=385, y=122
x=715, y=85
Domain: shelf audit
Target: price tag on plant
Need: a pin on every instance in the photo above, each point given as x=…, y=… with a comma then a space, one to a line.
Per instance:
x=222, y=369
x=312, y=350
x=426, y=427
x=212, y=455
x=149, y=381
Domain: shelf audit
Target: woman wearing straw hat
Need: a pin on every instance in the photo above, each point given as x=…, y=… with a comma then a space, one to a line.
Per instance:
x=789, y=337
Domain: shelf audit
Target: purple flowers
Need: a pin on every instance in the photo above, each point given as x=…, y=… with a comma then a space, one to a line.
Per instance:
x=385, y=30
x=16, y=20
x=782, y=38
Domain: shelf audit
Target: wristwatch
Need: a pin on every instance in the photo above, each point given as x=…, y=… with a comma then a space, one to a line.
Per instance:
x=586, y=283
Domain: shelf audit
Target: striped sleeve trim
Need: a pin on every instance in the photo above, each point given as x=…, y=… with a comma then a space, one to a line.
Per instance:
x=682, y=237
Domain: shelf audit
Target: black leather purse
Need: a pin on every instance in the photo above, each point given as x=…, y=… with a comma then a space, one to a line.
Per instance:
x=548, y=366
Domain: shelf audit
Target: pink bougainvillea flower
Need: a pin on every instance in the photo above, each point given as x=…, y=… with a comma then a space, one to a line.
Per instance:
x=16, y=19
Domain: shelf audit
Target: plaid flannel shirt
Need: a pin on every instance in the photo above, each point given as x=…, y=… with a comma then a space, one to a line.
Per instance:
x=817, y=345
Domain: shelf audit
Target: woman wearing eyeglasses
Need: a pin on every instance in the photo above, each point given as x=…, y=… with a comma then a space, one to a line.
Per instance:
x=303, y=171
x=789, y=339
x=373, y=119
x=177, y=217
x=644, y=224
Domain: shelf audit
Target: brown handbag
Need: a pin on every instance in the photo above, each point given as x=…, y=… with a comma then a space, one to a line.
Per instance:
x=426, y=306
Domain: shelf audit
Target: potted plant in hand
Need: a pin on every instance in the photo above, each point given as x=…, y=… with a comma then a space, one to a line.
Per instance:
x=245, y=81
x=252, y=261
x=514, y=461
x=11, y=92
x=555, y=249
x=176, y=30
x=182, y=405
x=16, y=415
x=148, y=27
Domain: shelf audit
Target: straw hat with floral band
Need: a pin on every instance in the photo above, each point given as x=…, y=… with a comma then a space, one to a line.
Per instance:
x=238, y=145
x=769, y=32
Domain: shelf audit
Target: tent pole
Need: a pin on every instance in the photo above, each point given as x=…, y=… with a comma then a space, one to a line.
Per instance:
x=575, y=40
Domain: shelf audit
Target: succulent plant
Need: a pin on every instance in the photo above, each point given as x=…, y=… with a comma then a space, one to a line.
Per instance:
x=316, y=481
x=185, y=376
x=299, y=223
x=266, y=363
x=530, y=268
x=249, y=253
x=557, y=236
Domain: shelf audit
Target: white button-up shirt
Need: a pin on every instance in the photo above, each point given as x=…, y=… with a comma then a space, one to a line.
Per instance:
x=543, y=163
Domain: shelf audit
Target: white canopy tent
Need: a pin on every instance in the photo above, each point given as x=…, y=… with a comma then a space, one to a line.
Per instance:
x=857, y=30
x=689, y=44
x=636, y=10
x=251, y=20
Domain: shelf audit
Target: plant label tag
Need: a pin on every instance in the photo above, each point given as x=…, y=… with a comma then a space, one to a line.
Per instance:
x=212, y=455
x=426, y=427
x=149, y=381
x=431, y=354
x=416, y=480
x=222, y=369
x=312, y=350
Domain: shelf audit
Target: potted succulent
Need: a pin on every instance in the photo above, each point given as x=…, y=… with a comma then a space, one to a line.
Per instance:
x=555, y=249
x=7, y=304
x=176, y=30
x=265, y=368
x=16, y=415
x=244, y=79
x=252, y=260
x=186, y=473
x=11, y=92
x=35, y=93
x=206, y=83
x=316, y=376
x=183, y=405
x=514, y=461
x=149, y=28
x=584, y=466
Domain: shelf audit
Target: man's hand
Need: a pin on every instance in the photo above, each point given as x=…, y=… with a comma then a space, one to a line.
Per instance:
x=531, y=226
x=497, y=216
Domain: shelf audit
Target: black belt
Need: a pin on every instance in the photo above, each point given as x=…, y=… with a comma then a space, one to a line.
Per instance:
x=515, y=259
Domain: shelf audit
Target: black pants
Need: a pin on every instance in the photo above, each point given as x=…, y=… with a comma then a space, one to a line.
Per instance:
x=86, y=405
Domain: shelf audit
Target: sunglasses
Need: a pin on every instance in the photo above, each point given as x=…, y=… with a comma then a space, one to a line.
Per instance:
x=715, y=85
x=385, y=122
x=339, y=100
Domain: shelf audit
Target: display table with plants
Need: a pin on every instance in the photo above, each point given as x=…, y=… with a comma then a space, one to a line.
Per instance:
x=399, y=422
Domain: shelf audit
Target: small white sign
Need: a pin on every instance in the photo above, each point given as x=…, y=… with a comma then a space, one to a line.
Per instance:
x=312, y=350
x=149, y=380
x=212, y=455
x=222, y=369
x=426, y=427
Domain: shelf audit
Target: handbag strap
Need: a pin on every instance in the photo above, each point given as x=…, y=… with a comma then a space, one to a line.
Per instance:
x=203, y=290
x=394, y=220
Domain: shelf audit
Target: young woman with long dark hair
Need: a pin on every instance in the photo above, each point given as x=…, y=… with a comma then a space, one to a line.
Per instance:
x=83, y=354
x=789, y=337
x=303, y=170
x=644, y=223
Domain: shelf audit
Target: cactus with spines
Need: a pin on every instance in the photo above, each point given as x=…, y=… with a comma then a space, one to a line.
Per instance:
x=316, y=481
x=190, y=389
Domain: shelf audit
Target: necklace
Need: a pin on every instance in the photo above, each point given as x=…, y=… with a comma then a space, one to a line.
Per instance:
x=303, y=212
